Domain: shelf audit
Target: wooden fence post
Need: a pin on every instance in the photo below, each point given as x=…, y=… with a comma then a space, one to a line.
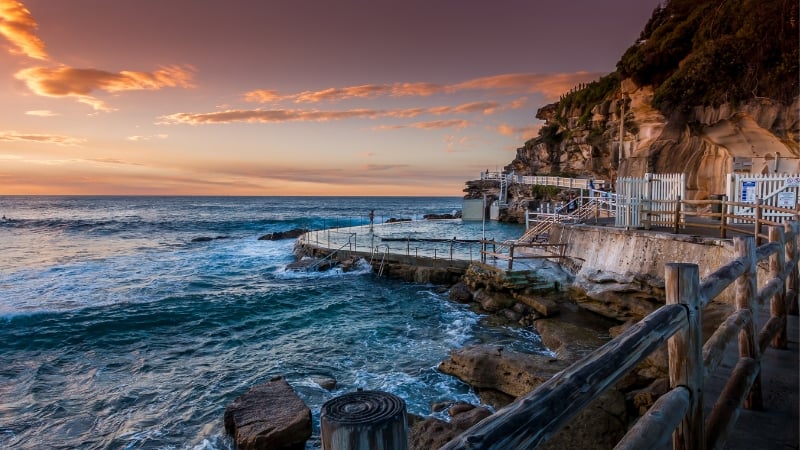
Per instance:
x=682, y=284
x=510, y=257
x=723, y=226
x=746, y=291
x=777, y=304
x=677, y=214
x=792, y=285
x=758, y=214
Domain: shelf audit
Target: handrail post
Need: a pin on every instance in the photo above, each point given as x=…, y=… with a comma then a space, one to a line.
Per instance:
x=792, y=285
x=677, y=213
x=682, y=285
x=777, y=304
x=746, y=291
x=510, y=257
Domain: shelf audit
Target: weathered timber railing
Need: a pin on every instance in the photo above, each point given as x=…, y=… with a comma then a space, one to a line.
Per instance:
x=722, y=219
x=678, y=415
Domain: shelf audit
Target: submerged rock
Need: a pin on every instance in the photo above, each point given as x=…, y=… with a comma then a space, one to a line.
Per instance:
x=269, y=416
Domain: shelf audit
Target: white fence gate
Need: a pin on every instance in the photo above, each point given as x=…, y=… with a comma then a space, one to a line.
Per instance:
x=774, y=190
x=655, y=194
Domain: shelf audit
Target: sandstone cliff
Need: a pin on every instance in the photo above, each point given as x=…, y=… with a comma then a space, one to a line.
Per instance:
x=704, y=143
x=703, y=91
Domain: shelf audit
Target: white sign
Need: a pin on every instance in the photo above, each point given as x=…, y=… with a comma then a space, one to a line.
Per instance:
x=787, y=199
x=792, y=182
x=748, y=191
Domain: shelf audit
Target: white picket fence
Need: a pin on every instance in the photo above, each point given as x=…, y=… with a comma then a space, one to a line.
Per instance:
x=776, y=190
x=654, y=195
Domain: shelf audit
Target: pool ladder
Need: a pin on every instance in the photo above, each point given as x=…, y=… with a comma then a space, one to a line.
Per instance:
x=383, y=257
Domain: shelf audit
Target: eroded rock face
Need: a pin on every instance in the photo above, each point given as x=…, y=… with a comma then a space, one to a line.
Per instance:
x=269, y=416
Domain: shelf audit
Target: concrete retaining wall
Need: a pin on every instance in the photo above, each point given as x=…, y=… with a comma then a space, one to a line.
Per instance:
x=615, y=250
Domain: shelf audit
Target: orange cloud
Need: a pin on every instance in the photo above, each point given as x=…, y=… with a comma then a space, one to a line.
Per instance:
x=263, y=96
x=15, y=136
x=334, y=94
x=79, y=83
x=18, y=26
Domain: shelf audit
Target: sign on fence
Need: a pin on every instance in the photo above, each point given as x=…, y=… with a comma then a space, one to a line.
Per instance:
x=787, y=199
x=779, y=191
x=792, y=182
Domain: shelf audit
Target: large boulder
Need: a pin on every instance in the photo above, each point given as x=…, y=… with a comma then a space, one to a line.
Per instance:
x=269, y=416
x=493, y=367
x=493, y=301
x=460, y=293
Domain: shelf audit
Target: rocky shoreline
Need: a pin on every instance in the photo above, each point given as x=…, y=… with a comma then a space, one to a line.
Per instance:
x=500, y=375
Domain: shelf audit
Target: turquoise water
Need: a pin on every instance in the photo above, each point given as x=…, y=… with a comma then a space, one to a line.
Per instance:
x=118, y=331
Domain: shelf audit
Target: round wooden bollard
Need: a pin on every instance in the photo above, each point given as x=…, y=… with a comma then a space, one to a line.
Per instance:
x=364, y=420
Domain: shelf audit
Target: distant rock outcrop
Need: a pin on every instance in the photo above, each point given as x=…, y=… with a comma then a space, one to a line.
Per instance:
x=278, y=235
x=269, y=416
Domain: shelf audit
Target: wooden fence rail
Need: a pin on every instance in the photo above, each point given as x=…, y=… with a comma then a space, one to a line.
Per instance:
x=535, y=417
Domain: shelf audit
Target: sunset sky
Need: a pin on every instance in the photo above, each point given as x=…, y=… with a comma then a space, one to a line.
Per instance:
x=287, y=97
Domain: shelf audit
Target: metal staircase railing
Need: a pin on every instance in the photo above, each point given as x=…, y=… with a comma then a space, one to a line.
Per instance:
x=538, y=232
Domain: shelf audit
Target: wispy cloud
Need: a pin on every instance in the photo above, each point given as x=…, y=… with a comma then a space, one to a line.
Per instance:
x=42, y=113
x=18, y=26
x=147, y=138
x=114, y=161
x=525, y=132
x=80, y=83
x=303, y=115
x=430, y=125
x=16, y=136
x=266, y=116
x=549, y=85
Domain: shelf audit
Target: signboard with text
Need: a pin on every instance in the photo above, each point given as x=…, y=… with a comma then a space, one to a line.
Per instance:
x=787, y=199
x=748, y=191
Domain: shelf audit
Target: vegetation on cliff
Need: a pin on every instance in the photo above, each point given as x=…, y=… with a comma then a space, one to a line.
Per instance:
x=703, y=53
x=710, y=52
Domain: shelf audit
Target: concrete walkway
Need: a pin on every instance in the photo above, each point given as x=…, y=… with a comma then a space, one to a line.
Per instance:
x=776, y=426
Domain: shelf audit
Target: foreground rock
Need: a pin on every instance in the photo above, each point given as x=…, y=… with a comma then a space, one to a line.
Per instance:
x=269, y=416
x=431, y=433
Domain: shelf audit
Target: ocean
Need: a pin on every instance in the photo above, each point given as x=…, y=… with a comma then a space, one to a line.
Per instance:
x=119, y=330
